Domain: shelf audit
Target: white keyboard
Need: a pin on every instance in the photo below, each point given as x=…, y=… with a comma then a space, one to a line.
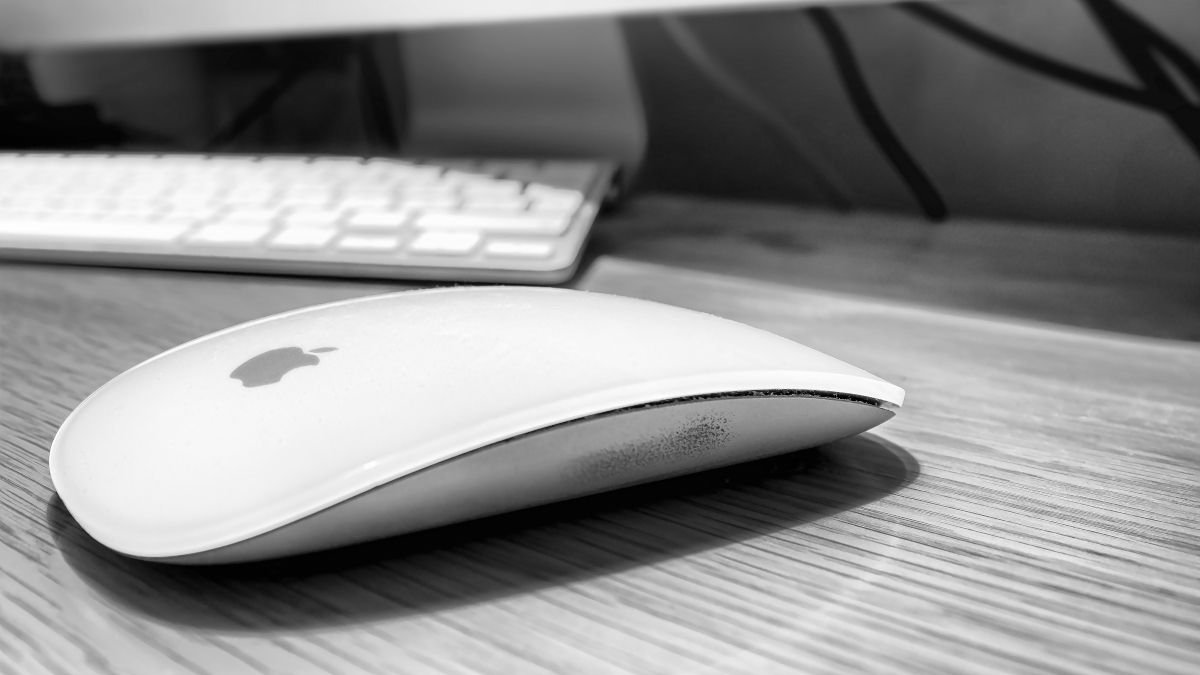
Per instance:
x=460, y=220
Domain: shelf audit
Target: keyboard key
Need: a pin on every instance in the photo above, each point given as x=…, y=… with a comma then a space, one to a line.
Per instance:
x=371, y=243
x=303, y=238
x=133, y=212
x=377, y=220
x=409, y=174
x=506, y=223
x=433, y=193
x=190, y=213
x=85, y=230
x=220, y=234
x=546, y=191
x=492, y=187
x=519, y=248
x=430, y=205
x=76, y=205
x=547, y=200
x=137, y=203
x=197, y=195
x=307, y=194
x=245, y=214
x=367, y=197
x=249, y=194
x=310, y=217
x=28, y=202
x=447, y=243
x=494, y=203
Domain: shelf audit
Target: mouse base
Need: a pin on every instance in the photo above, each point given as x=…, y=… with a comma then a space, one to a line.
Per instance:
x=587, y=456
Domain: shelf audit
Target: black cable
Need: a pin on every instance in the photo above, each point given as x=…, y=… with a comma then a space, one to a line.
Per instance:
x=257, y=108
x=1139, y=44
x=1137, y=47
x=826, y=183
x=872, y=117
x=1033, y=61
x=1170, y=50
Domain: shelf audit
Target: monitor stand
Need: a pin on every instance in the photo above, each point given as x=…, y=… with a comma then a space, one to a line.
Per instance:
x=541, y=89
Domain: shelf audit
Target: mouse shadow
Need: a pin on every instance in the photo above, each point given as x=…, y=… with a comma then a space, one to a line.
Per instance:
x=497, y=556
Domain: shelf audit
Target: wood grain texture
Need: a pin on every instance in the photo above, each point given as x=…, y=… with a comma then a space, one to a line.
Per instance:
x=1113, y=280
x=1035, y=507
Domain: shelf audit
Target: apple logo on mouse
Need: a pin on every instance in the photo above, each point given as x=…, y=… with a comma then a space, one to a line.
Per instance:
x=270, y=366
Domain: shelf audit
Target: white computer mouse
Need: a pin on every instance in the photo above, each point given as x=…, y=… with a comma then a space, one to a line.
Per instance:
x=362, y=419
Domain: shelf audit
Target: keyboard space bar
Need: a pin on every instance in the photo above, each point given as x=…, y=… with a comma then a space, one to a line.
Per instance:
x=83, y=230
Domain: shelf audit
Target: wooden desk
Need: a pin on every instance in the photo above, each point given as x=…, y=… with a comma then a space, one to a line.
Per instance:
x=1034, y=507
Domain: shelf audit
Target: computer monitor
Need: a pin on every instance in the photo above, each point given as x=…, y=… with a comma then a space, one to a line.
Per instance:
x=43, y=24
x=578, y=95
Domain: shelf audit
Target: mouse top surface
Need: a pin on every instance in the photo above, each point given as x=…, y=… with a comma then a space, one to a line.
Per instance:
x=264, y=423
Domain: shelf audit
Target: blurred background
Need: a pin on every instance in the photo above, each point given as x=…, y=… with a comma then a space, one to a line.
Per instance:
x=1035, y=110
